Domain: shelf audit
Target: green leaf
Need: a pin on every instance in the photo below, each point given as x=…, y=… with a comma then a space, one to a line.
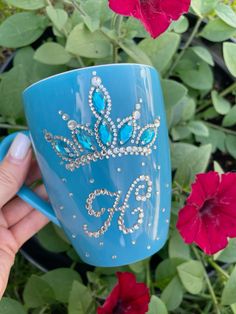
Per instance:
x=179, y=151
x=37, y=292
x=217, y=167
x=188, y=109
x=166, y=271
x=226, y=14
x=216, y=30
x=198, y=128
x=10, y=306
x=228, y=254
x=11, y=88
x=161, y=50
x=181, y=25
x=197, y=161
x=80, y=300
x=204, y=54
x=82, y=42
x=91, y=16
x=27, y=4
x=173, y=92
x=177, y=247
x=52, y=53
x=135, y=52
x=192, y=276
x=203, y=7
x=229, y=50
x=199, y=76
x=172, y=295
x=156, y=306
x=231, y=145
x=34, y=70
x=139, y=267
x=216, y=139
x=58, y=17
x=230, y=118
x=221, y=105
x=51, y=241
x=229, y=291
x=61, y=281
x=21, y=29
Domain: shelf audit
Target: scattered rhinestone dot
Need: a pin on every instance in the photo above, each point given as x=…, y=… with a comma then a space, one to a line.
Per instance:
x=61, y=207
x=101, y=243
x=143, y=164
x=94, y=73
x=87, y=254
x=73, y=236
x=138, y=106
x=74, y=216
x=118, y=169
x=71, y=194
x=114, y=257
x=149, y=247
x=157, y=238
x=63, y=180
x=155, y=147
x=60, y=112
x=140, y=100
x=149, y=225
x=167, y=221
x=157, y=192
x=133, y=242
x=65, y=117
x=163, y=210
x=167, y=185
x=91, y=181
x=158, y=167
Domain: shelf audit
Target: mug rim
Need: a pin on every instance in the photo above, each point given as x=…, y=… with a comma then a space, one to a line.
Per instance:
x=82, y=69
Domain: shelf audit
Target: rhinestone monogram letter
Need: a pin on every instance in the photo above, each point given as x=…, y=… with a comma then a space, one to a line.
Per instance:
x=142, y=188
x=104, y=138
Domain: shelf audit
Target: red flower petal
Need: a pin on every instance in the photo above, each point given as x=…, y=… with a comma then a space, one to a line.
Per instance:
x=175, y=8
x=154, y=22
x=124, y=7
x=210, y=238
x=188, y=223
x=110, y=302
x=128, y=297
x=227, y=188
x=204, y=187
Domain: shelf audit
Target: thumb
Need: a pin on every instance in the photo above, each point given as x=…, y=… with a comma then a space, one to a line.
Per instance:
x=14, y=168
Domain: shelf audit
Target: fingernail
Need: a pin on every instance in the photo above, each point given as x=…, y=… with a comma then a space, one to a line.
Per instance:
x=20, y=147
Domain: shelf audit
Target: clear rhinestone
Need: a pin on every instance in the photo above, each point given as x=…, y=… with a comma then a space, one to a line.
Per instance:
x=72, y=124
x=96, y=81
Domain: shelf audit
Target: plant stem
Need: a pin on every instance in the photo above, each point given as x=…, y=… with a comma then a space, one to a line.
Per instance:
x=218, y=268
x=187, y=44
x=11, y=126
x=220, y=128
x=117, y=23
x=78, y=7
x=229, y=90
x=210, y=288
x=82, y=65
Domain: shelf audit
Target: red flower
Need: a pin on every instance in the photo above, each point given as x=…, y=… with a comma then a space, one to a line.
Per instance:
x=127, y=297
x=209, y=217
x=156, y=15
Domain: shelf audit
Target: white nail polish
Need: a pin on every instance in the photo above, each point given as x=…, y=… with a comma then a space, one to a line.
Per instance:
x=20, y=147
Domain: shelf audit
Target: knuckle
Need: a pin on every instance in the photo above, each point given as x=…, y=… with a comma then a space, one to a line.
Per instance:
x=8, y=178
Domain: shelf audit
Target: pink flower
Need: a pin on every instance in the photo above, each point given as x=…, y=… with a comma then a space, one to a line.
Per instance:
x=209, y=217
x=156, y=15
x=127, y=297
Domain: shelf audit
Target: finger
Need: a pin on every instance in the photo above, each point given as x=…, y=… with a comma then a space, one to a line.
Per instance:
x=7, y=261
x=17, y=209
x=34, y=173
x=14, y=168
x=28, y=226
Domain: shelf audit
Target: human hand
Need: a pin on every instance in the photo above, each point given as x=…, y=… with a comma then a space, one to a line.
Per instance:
x=18, y=220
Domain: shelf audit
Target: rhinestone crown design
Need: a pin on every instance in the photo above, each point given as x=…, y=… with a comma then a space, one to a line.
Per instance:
x=104, y=138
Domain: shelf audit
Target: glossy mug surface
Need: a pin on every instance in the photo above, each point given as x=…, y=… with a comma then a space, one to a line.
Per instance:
x=101, y=142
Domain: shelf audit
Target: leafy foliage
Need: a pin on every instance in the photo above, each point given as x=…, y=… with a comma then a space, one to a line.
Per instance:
x=55, y=36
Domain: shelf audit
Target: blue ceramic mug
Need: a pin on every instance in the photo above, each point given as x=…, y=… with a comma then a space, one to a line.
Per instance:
x=100, y=138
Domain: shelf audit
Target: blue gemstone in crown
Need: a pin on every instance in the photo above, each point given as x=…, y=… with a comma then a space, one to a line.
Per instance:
x=104, y=138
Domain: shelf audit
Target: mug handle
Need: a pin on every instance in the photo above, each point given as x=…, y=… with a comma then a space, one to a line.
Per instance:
x=25, y=193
